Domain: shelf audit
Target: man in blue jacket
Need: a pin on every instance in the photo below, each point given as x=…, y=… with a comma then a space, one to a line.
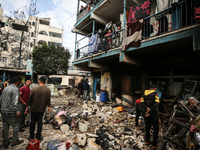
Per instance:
x=85, y=89
x=10, y=112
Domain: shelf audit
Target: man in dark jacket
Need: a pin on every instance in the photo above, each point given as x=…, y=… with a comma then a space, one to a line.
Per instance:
x=150, y=102
x=85, y=89
x=80, y=88
x=9, y=106
x=39, y=99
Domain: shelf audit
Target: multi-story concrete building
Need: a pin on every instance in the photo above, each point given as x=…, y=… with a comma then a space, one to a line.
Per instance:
x=37, y=30
x=167, y=56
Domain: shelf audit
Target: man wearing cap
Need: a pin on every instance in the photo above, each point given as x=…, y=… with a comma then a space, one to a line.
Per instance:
x=150, y=102
x=9, y=107
x=39, y=99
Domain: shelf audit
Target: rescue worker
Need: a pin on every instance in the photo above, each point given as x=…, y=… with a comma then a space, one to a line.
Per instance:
x=150, y=102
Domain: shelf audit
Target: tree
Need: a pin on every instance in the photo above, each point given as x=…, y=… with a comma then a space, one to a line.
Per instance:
x=50, y=60
x=15, y=34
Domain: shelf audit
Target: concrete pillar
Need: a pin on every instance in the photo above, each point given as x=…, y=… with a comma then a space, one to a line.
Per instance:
x=124, y=15
x=93, y=29
x=75, y=46
x=78, y=3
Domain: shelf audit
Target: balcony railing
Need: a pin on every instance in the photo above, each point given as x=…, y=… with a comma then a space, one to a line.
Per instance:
x=177, y=16
x=105, y=43
x=85, y=9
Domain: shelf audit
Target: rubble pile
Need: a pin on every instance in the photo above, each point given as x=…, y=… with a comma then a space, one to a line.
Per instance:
x=183, y=130
x=88, y=125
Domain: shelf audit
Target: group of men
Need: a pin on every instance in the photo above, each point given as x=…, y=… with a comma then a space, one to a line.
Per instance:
x=16, y=102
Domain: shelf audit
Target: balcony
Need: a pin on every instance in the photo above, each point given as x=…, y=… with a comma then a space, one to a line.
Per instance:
x=86, y=9
x=170, y=22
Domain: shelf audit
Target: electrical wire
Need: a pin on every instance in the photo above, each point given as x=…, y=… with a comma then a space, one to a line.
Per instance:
x=67, y=19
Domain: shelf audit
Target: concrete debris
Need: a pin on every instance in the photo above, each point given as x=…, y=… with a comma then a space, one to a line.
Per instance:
x=81, y=139
x=64, y=128
x=88, y=125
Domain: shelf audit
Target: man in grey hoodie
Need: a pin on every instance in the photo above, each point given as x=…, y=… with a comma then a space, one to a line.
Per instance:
x=10, y=112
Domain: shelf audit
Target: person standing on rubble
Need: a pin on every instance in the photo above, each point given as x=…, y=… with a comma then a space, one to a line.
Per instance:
x=39, y=99
x=9, y=107
x=24, y=95
x=150, y=102
x=85, y=89
x=80, y=88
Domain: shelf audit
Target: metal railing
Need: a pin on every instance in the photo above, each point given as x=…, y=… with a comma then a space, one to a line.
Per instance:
x=85, y=10
x=177, y=16
x=105, y=43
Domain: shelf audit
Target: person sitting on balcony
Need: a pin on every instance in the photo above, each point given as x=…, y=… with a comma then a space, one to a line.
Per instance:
x=88, y=5
x=81, y=10
x=109, y=40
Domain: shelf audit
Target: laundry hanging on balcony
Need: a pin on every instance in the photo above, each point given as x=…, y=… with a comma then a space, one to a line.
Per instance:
x=132, y=35
x=93, y=43
x=197, y=9
x=140, y=11
x=133, y=29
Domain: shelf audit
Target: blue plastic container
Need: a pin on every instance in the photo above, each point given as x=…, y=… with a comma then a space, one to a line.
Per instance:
x=104, y=96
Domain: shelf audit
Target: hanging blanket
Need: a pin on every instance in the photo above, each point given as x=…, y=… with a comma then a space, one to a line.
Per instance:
x=93, y=43
x=139, y=11
x=133, y=35
x=197, y=9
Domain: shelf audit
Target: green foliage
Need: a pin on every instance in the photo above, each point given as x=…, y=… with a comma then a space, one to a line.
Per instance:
x=50, y=60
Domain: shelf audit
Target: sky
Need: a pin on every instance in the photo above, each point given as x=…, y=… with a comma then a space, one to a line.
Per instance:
x=61, y=12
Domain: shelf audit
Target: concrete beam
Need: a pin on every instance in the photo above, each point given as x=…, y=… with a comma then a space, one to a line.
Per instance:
x=123, y=57
x=99, y=18
x=98, y=65
x=75, y=30
x=81, y=68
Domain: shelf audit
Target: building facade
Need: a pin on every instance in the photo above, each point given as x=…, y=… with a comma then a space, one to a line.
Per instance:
x=167, y=56
x=36, y=31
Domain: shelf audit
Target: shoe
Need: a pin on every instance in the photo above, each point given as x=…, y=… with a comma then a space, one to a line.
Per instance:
x=17, y=142
x=29, y=139
x=24, y=126
x=7, y=145
x=154, y=147
x=147, y=143
x=21, y=130
x=41, y=138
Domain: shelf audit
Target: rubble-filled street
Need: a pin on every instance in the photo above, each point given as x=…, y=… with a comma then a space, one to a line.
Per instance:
x=99, y=126
x=76, y=124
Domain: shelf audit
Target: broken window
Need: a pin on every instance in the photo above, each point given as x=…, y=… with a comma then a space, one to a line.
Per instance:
x=32, y=34
x=3, y=59
x=20, y=27
x=43, y=33
x=55, y=34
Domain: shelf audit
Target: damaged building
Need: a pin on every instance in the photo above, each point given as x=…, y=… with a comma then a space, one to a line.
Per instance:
x=130, y=44
x=164, y=51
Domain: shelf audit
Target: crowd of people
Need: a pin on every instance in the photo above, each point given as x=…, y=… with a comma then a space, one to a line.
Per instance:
x=16, y=100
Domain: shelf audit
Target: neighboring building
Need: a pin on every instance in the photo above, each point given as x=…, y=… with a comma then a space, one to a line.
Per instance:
x=168, y=55
x=37, y=31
